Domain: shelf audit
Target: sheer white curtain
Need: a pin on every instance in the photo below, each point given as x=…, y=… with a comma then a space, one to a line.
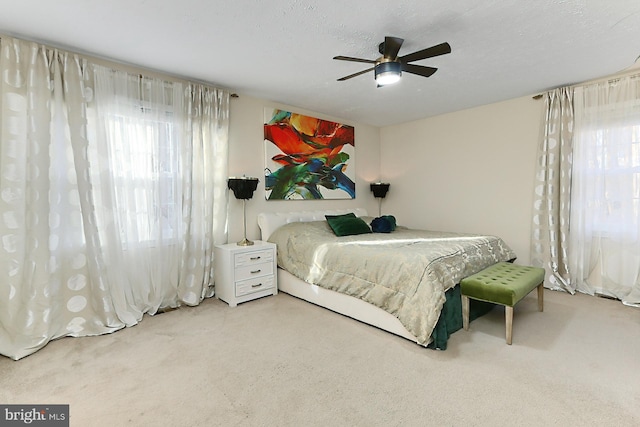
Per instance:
x=112, y=195
x=605, y=215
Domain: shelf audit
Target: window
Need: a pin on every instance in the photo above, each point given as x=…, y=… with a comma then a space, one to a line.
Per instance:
x=144, y=157
x=607, y=177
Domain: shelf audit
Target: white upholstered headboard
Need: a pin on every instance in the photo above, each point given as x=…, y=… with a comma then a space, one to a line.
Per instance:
x=270, y=221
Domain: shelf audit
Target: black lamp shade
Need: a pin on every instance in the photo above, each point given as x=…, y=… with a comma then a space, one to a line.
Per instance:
x=243, y=187
x=379, y=189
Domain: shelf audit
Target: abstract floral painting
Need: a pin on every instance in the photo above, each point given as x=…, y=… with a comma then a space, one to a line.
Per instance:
x=307, y=158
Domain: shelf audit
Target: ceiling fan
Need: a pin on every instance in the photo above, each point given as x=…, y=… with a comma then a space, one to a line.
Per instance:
x=388, y=68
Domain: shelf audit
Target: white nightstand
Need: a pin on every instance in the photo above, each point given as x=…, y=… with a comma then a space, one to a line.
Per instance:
x=244, y=273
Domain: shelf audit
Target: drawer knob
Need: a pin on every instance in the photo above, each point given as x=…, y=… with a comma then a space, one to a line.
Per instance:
x=253, y=258
x=256, y=271
x=256, y=286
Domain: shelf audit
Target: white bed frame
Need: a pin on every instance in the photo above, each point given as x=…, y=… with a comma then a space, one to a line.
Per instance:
x=340, y=303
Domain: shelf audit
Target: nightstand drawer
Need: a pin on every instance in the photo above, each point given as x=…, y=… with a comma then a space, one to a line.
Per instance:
x=253, y=285
x=254, y=257
x=254, y=270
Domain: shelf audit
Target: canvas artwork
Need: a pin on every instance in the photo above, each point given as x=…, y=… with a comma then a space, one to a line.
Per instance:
x=307, y=158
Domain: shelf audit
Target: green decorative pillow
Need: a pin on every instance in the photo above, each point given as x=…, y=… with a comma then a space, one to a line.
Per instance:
x=347, y=224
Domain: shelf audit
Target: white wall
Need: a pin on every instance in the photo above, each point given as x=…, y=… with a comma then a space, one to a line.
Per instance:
x=469, y=171
x=246, y=156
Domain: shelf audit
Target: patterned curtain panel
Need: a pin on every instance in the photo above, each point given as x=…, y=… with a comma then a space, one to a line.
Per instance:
x=112, y=195
x=551, y=210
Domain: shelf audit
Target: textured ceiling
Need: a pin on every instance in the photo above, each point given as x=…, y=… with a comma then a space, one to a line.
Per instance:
x=282, y=50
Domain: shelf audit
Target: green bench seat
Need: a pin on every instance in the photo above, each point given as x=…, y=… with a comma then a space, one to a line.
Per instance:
x=503, y=283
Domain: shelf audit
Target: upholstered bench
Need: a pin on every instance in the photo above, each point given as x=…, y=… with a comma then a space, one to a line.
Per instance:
x=503, y=283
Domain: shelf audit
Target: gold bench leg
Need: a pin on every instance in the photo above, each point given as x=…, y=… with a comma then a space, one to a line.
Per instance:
x=541, y=297
x=508, y=314
x=465, y=312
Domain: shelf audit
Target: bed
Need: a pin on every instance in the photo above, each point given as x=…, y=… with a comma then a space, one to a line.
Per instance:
x=404, y=282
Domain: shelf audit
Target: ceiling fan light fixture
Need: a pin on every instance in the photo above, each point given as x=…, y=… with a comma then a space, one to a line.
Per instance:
x=389, y=67
x=387, y=73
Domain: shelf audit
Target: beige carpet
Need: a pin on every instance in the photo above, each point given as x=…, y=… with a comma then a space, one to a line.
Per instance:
x=280, y=361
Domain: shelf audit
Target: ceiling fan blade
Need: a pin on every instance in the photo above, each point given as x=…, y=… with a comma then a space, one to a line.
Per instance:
x=430, y=52
x=392, y=46
x=349, y=58
x=418, y=69
x=355, y=74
